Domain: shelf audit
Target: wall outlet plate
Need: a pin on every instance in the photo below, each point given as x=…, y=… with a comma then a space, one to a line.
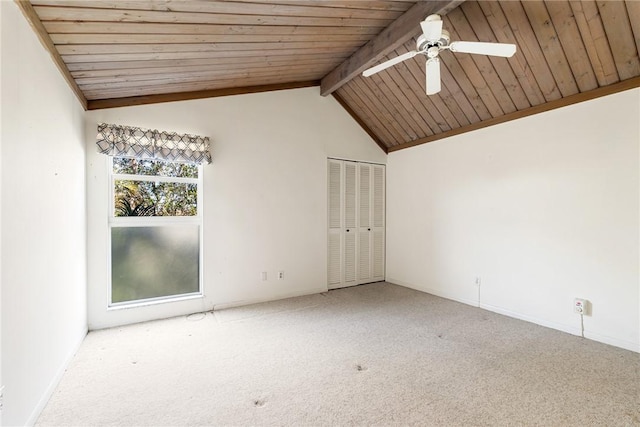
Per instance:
x=580, y=306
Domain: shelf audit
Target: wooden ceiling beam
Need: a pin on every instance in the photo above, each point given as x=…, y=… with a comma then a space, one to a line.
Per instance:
x=396, y=34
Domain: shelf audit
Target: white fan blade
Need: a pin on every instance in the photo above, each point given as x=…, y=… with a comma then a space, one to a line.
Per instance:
x=432, y=28
x=389, y=63
x=433, y=76
x=496, y=49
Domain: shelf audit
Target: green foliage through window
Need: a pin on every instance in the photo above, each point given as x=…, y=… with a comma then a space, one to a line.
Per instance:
x=149, y=167
x=154, y=198
x=148, y=198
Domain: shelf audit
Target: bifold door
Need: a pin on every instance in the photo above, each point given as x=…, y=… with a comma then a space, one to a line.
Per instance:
x=356, y=196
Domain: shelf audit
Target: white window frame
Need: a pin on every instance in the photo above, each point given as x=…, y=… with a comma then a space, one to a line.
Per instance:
x=153, y=221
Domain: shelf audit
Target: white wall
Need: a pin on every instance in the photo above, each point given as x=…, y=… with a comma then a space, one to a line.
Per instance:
x=542, y=209
x=43, y=221
x=1, y=381
x=265, y=198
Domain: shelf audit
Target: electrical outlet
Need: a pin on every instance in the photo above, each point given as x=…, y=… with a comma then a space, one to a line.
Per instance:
x=280, y=275
x=264, y=276
x=478, y=280
x=580, y=306
x=1, y=398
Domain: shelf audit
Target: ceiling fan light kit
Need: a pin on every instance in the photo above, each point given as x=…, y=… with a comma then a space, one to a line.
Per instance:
x=431, y=42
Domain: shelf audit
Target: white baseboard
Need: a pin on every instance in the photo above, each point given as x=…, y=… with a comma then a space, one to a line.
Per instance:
x=627, y=345
x=241, y=303
x=431, y=291
x=570, y=329
x=44, y=399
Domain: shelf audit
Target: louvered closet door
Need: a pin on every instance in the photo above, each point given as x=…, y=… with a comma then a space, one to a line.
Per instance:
x=356, y=223
x=335, y=174
x=364, y=226
x=378, y=223
x=350, y=224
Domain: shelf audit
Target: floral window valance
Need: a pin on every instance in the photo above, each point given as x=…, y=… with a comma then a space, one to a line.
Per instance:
x=138, y=143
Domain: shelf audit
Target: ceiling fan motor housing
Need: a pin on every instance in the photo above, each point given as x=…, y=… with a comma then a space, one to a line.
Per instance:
x=423, y=45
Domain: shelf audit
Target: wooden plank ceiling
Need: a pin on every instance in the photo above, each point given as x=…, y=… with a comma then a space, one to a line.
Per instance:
x=128, y=52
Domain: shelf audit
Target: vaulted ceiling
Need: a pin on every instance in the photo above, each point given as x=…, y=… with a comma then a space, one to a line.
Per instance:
x=130, y=52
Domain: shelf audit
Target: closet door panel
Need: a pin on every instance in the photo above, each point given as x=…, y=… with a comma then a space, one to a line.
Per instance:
x=335, y=260
x=378, y=255
x=364, y=257
x=378, y=196
x=350, y=195
x=350, y=248
x=378, y=215
x=364, y=229
x=364, y=189
x=335, y=195
x=335, y=244
x=350, y=223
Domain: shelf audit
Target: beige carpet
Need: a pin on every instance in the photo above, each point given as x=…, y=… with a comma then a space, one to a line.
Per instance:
x=377, y=354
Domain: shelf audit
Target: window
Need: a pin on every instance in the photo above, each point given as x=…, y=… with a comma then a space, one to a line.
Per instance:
x=155, y=225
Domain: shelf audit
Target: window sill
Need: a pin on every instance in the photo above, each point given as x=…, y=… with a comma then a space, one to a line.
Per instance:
x=153, y=301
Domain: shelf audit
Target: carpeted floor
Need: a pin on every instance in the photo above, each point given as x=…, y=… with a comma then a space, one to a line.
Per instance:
x=376, y=354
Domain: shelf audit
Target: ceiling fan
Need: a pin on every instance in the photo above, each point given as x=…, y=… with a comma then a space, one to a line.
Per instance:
x=432, y=41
